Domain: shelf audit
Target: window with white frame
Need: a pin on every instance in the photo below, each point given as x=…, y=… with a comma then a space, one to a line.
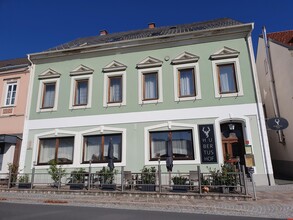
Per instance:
x=226, y=73
x=81, y=92
x=187, y=82
x=114, y=88
x=58, y=149
x=186, y=77
x=10, y=94
x=96, y=147
x=150, y=81
x=48, y=91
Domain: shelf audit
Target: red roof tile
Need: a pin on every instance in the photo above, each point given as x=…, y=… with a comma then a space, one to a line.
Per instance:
x=284, y=37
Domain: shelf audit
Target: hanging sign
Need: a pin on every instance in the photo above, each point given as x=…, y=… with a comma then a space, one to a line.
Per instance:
x=277, y=123
x=207, y=143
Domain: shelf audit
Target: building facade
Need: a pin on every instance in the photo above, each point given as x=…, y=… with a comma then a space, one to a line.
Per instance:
x=191, y=84
x=276, y=86
x=14, y=82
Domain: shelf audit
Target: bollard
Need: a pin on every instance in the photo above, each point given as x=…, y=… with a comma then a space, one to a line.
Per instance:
x=122, y=179
x=90, y=174
x=33, y=176
x=199, y=179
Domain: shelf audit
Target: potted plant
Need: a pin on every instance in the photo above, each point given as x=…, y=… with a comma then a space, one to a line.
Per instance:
x=106, y=178
x=228, y=177
x=77, y=179
x=148, y=179
x=23, y=182
x=13, y=172
x=180, y=183
x=56, y=173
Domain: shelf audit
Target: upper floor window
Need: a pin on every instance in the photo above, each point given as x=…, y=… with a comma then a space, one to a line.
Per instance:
x=227, y=78
x=81, y=92
x=186, y=77
x=115, y=89
x=226, y=73
x=150, y=89
x=10, y=94
x=49, y=95
x=186, y=82
x=150, y=86
x=81, y=87
x=48, y=91
x=59, y=149
x=114, y=84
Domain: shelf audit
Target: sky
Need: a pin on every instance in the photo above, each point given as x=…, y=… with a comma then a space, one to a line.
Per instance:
x=31, y=26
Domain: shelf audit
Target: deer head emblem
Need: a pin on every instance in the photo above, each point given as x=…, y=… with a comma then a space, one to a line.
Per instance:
x=206, y=132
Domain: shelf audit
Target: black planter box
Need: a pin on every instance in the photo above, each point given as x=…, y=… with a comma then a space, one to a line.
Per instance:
x=180, y=188
x=76, y=186
x=148, y=187
x=24, y=185
x=108, y=186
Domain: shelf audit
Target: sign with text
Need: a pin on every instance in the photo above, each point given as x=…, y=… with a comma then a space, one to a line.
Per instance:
x=207, y=143
x=277, y=123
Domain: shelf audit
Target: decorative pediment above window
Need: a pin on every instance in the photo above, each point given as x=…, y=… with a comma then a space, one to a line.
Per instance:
x=149, y=62
x=185, y=58
x=114, y=66
x=225, y=53
x=48, y=74
x=81, y=70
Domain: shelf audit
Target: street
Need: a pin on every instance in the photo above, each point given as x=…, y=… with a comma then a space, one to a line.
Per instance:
x=14, y=211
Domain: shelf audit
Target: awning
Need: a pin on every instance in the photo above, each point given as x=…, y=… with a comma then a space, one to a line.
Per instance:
x=11, y=139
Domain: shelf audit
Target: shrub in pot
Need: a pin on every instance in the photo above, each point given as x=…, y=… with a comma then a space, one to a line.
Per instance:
x=148, y=179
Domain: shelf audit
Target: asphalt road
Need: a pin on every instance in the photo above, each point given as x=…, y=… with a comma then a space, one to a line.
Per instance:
x=13, y=211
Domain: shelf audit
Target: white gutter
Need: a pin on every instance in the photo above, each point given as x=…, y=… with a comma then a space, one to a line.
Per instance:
x=260, y=116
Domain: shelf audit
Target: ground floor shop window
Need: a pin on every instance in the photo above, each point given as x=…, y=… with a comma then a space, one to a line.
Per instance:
x=58, y=149
x=181, y=142
x=96, y=148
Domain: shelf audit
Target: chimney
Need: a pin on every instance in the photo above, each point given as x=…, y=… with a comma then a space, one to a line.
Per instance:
x=152, y=25
x=103, y=32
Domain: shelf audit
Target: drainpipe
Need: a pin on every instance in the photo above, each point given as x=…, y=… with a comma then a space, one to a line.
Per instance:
x=272, y=83
x=260, y=115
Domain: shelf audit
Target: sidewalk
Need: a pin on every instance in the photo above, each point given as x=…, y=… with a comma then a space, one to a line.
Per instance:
x=272, y=201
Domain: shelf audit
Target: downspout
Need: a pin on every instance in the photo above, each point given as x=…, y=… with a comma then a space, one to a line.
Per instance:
x=272, y=83
x=26, y=121
x=260, y=115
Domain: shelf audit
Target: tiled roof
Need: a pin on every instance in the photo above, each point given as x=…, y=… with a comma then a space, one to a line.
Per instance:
x=283, y=37
x=147, y=33
x=13, y=62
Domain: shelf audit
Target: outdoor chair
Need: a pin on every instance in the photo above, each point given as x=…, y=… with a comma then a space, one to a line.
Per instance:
x=128, y=180
x=193, y=178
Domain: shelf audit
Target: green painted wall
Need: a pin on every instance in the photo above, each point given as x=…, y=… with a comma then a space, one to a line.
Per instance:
x=130, y=59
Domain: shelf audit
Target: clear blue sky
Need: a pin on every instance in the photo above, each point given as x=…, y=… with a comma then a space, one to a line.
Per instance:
x=30, y=26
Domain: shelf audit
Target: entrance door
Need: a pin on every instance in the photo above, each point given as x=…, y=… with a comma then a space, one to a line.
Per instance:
x=233, y=142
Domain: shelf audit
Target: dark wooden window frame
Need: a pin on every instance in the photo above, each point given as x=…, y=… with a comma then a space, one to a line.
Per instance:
x=44, y=93
x=193, y=81
x=103, y=147
x=143, y=85
x=77, y=81
x=109, y=88
x=234, y=78
x=56, y=150
x=170, y=133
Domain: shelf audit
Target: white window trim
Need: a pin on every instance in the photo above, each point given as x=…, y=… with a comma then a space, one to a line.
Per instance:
x=41, y=94
x=72, y=91
x=234, y=61
x=6, y=93
x=100, y=131
x=172, y=126
x=107, y=75
x=140, y=85
x=195, y=67
x=56, y=133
